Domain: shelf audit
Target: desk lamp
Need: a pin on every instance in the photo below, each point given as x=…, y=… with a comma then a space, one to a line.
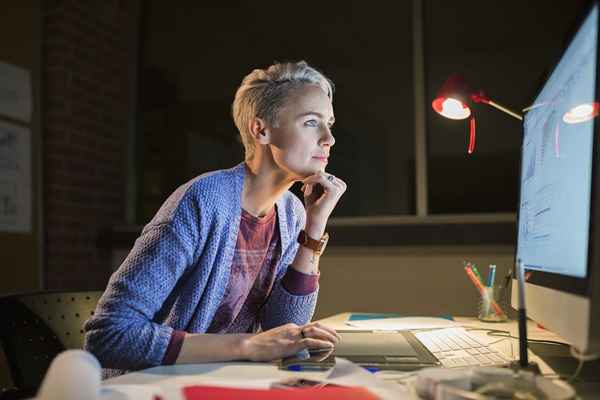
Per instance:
x=454, y=100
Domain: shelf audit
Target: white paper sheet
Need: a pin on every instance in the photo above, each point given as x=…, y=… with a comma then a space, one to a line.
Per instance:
x=403, y=323
x=15, y=92
x=133, y=392
x=15, y=178
x=346, y=373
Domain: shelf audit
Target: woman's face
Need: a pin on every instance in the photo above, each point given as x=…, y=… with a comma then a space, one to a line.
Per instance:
x=302, y=140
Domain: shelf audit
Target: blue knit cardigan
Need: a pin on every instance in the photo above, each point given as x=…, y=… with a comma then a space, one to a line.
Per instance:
x=175, y=276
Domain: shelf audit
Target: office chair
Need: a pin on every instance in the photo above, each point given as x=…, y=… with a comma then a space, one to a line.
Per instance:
x=35, y=328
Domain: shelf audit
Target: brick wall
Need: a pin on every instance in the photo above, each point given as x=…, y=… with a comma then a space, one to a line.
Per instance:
x=87, y=58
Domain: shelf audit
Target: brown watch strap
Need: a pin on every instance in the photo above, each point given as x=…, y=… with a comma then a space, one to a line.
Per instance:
x=313, y=244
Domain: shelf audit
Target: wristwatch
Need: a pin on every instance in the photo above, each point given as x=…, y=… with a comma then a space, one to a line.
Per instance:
x=318, y=246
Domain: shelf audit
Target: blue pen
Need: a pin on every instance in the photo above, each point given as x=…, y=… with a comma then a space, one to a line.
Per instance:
x=491, y=276
x=298, y=367
x=372, y=369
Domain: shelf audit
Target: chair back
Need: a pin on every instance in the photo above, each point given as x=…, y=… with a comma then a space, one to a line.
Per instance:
x=36, y=327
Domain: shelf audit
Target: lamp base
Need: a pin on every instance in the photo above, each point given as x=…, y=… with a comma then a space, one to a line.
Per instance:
x=520, y=384
x=531, y=367
x=478, y=383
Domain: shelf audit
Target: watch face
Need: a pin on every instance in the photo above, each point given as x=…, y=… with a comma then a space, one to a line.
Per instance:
x=302, y=237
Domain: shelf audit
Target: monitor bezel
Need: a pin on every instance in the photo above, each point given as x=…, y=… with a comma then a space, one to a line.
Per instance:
x=565, y=283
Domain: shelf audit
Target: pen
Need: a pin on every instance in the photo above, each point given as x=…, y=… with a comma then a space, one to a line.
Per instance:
x=491, y=276
x=482, y=290
x=471, y=267
x=476, y=272
x=299, y=367
x=474, y=279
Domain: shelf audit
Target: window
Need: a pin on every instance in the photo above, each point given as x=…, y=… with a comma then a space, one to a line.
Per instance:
x=504, y=49
x=195, y=55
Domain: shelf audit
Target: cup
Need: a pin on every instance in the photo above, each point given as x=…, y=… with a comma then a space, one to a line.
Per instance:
x=491, y=305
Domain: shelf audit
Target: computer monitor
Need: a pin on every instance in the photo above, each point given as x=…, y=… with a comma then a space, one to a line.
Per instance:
x=559, y=207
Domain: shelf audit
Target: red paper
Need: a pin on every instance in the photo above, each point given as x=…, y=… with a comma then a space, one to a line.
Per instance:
x=325, y=393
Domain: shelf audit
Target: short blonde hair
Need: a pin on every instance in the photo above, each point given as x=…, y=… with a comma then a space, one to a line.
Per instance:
x=263, y=93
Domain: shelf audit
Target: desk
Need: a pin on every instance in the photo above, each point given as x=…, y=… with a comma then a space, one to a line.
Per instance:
x=169, y=378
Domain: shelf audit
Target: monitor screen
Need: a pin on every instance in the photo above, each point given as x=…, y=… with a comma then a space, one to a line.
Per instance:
x=559, y=210
x=556, y=166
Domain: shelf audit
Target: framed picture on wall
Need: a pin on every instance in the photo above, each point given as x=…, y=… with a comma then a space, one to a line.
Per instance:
x=15, y=178
x=15, y=92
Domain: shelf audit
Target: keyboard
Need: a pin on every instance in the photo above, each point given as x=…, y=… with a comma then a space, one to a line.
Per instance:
x=455, y=347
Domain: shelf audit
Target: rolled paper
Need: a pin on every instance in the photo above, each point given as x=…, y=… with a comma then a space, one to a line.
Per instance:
x=72, y=375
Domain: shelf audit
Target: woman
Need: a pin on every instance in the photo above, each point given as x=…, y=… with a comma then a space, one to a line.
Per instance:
x=219, y=273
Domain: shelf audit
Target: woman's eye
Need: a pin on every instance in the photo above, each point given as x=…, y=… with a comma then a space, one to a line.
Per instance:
x=311, y=122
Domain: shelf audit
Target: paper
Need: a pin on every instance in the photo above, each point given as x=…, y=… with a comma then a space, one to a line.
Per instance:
x=326, y=393
x=367, y=316
x=347, y=373
x=15, y=92
x=403, y=323
x=349, y=380
x=72, y=375
x=15, y=178
x=131, y=392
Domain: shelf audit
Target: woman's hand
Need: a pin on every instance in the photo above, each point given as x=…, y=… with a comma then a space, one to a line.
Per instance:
x=287, y=340
x=322, y=192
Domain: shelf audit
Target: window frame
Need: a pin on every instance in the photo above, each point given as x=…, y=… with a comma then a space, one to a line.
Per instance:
x=423, y=227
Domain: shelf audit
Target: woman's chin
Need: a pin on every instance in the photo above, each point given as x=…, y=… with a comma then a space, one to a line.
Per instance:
x=312, y=171
x=303, y=172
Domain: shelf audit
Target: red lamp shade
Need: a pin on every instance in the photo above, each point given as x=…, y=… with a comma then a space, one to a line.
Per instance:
x=452, y=101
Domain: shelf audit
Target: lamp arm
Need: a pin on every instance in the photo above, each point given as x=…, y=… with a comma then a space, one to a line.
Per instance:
x=480, y=97
x=506, y=110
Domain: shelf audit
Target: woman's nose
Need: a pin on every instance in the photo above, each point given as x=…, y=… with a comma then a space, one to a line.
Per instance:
x=328, y=139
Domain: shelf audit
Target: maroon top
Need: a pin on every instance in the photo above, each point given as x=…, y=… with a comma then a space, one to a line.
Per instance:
x=252, y=274
x=251, y=279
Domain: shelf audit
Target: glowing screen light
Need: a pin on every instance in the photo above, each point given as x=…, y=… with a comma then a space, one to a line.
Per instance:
x=581, y=113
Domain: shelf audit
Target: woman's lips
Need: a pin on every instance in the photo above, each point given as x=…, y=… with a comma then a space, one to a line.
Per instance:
x=322, y=159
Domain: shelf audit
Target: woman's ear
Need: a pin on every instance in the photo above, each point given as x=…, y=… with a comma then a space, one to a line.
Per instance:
x=259, y=131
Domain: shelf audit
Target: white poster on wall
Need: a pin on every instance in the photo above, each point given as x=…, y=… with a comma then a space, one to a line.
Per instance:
x=15, y=178
x=15, y=92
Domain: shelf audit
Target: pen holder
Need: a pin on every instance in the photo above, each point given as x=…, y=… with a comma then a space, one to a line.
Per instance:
x=492, y=305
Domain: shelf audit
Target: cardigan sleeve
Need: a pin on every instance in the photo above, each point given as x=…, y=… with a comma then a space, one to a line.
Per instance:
x=122, y=333
x=284, y=307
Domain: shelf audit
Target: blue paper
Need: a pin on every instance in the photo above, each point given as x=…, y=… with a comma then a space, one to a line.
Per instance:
x=368, y=316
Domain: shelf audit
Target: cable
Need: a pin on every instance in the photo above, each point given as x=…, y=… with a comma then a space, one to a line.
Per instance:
x=506, y=334
x=582, y=359
x=577, y=371
x=542, y=341
x=583, y=356
x=575, y=353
